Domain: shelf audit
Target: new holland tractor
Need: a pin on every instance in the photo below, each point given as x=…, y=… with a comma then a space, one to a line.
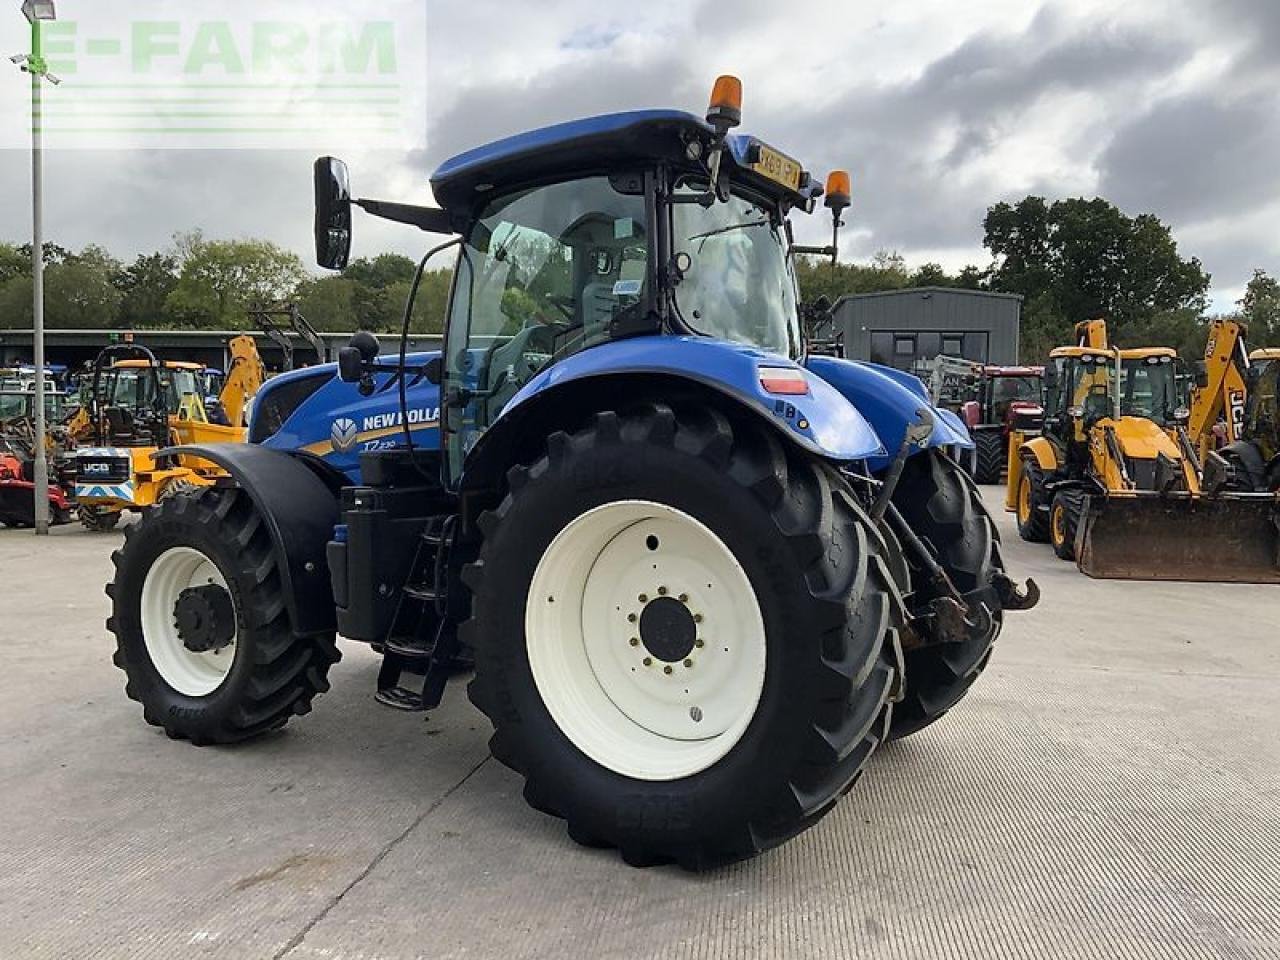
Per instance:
x=701, y=575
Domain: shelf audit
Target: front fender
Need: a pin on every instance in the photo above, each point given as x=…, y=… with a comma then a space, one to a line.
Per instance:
x=1042, y=450
x=297, y=498
x=822, y=420
x=890, y=399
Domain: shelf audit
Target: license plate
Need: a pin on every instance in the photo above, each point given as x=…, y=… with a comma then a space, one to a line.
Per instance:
x=778, y=167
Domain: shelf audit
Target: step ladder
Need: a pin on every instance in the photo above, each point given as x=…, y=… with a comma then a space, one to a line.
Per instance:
x=423, y=638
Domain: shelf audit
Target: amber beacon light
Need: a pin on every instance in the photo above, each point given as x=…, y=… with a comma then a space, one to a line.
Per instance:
x=725, y=110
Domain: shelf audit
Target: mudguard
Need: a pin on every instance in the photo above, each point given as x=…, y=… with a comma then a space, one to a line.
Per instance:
x=297, y=497
x=821, y=421
x=889, y=399
x=1042, y=450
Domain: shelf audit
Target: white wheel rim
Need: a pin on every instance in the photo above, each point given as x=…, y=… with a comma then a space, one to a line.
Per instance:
x=186, y=671
x=666, y=719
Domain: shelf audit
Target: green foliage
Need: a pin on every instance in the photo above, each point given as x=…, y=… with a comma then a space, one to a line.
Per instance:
x=1074, y=257
x=1260, y=309
x=145, y=287
x=220, y=279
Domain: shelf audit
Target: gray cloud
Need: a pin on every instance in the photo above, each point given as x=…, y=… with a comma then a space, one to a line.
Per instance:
x=929, y=152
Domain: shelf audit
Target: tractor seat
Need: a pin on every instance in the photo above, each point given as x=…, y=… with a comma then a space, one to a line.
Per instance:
x=121, y=427
x=1096, y=406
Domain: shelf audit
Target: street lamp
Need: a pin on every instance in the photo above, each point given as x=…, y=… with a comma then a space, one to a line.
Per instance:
x=36, y=12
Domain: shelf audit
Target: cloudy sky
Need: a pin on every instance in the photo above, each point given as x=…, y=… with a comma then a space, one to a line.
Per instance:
x=938, y=107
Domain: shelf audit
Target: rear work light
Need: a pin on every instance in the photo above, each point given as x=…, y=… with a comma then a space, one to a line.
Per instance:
x=786, y=381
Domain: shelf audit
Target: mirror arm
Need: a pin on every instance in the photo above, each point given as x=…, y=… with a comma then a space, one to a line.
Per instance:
x=428, y=219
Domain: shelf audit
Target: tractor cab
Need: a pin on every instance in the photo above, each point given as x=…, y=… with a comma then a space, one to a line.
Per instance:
x=610, y=228
x=136, y=400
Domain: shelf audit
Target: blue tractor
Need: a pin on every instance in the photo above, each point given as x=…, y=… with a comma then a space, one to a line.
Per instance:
x=700, y=574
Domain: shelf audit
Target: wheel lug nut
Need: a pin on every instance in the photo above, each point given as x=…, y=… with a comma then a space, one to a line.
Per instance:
x=684, y=598
x=699, y=643
x=662, y=591
x=632, y=618
x=635, y=641
x=644, y=598
x=689, y=664
x=667, y=670
x=697, y=618
x=648, y=661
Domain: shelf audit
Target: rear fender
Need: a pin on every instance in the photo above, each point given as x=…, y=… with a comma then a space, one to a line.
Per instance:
x=297, y=497
x=821, y=421
x=890, y=400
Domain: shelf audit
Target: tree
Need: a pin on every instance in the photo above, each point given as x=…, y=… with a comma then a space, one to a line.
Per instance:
x=220, y=279
x=1075, y=256
x=328, y=303
x=1260, y=309
x=145, y=287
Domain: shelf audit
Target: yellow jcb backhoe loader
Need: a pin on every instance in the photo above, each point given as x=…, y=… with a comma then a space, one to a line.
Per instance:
x=1113, y=479
x=139, y=405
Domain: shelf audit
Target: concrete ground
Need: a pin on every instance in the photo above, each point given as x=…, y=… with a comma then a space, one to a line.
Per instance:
x=1111, y=788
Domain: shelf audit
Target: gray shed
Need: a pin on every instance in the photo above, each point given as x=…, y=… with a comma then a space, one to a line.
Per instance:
x=907, y=328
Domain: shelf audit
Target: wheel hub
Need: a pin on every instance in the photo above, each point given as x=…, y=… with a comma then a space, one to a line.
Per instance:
x=667, y=629
x=205, y=618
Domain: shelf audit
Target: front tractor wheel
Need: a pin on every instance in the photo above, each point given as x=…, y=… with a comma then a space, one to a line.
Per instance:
x=200, y=624
x=685, y=636
x=98, y=519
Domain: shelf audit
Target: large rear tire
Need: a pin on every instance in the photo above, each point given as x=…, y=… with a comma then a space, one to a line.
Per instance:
x=943, y=508
x=201, y=628
x=619, y=547
x=990, y=449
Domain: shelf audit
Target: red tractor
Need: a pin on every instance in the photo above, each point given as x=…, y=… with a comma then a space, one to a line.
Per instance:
x=18, y=492
x=987, y=398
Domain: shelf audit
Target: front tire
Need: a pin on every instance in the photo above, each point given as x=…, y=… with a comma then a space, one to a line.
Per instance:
x=1033, y=521
x=1064, y=520
x=201, y=628
x=98, y=519
x=587, y=594
x=944, y=509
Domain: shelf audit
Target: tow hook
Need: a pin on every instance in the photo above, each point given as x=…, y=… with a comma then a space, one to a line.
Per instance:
x=1012, y=597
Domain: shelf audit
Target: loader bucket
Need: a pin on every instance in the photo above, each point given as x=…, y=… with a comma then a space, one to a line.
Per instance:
x=1217, y=540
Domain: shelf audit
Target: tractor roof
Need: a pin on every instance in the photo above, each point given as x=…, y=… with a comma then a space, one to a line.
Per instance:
x=1141, y=353
x=611, y=141
x=995, y=371
x=1079, y=352
x=1264, y=353
x=167, y=364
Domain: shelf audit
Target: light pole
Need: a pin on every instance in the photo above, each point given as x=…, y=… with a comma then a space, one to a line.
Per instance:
x=37, y=11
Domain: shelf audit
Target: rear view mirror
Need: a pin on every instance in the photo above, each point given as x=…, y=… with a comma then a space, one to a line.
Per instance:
x=333, y=213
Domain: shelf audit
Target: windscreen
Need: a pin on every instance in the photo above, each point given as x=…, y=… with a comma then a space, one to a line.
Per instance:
x=739, y=285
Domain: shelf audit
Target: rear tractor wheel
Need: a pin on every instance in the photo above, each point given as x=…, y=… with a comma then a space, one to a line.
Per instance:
x=990, y=449
x=200, y=624
x=684, y=635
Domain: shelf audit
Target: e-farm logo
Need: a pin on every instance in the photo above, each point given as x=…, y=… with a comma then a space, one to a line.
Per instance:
x=255, y=74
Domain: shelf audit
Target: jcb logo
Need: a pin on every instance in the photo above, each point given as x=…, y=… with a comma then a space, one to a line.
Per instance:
x=95, y=469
